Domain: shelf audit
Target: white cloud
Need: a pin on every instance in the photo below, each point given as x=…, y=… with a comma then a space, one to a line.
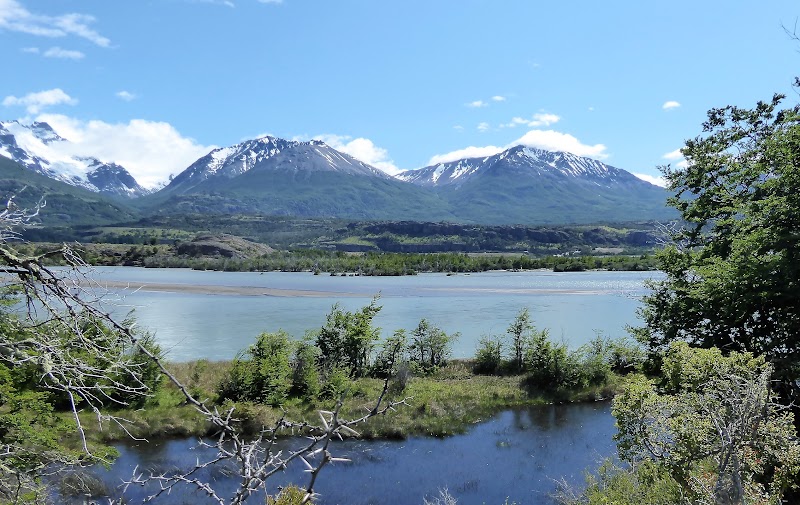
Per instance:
x=482, y=127
x=652, y=179
x=467, y=152
x=362, y=149
x=125, y=95
x=542, y=139
x=150, y=150
x=476, y=104
x=34, y=103
x=499, y=98
x=271, y=1
x=671, y=104
x=673, y=155
x=16, y=18
x=557, y=141
x=30, y=50
x=539, y=119
x=458, y=127
x=67, y=54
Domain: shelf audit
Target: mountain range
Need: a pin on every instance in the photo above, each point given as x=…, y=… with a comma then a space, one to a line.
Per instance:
x=273, y=176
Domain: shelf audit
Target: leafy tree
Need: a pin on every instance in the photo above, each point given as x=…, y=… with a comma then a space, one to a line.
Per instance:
x=733, y=268
x=520, y=331
x=430, y=346
x=714, y=425
x=393, y=355
x=348, y=338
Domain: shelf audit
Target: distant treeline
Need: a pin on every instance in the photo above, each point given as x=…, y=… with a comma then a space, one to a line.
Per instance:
x=395, y=263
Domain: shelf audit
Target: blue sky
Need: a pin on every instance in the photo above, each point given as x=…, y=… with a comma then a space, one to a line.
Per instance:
x=156, y=84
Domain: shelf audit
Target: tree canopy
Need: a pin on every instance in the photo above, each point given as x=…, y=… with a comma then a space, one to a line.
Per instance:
x=732, y=268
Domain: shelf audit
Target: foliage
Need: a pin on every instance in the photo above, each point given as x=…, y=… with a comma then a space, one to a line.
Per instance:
x=306, y=382
x=489, y=355
x=430, y=346
x=520, y=330
x=348, y=338
x=716, y=427
x=262, y=373
x=392, y=357
x=645, y=483
x=732, y=269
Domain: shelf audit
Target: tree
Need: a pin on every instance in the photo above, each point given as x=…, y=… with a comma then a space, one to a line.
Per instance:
x=713, y=424
x=348, y=338
x=520, y=331
x=733, y=267
x=430, y=346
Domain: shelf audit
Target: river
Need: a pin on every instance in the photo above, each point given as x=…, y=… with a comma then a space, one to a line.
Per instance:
x=214, y=315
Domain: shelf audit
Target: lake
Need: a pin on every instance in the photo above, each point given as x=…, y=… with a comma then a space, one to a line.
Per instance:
x=518, y=454
x=215, y=321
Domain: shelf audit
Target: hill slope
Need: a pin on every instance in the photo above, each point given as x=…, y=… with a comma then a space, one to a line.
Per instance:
x=63, y=204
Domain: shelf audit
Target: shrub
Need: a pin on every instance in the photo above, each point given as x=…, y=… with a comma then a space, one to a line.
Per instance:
x=261, y=374
x=430, y=346
x=489, y=356
x=305, y=374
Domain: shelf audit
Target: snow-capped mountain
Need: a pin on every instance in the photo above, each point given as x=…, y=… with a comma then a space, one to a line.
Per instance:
x=274, y=176
x=270, y=154
x=39, y=148
x=520, y=161
x=528, y=185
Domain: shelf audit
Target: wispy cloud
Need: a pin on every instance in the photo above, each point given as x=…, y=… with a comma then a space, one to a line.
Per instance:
x=15, y=17
x=482, y=127
x=362, y=149
x=539, y=119
x=226, y=3
x=498, y=98
x=65, y=54
x=271, y=2
x=477, y=104
x=542, y=139
x=30, y=50
x=671, y=104
x=34, y=103
x=125, y=95
x=673, y=155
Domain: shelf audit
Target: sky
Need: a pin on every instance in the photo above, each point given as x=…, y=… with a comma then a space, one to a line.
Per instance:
x=154, y=85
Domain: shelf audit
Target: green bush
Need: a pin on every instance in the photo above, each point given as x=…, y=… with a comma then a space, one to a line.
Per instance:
x=262, y=373
x=336, y=384
x=489, y=356
x=305, y=374
x=430, y=347
x=347, y=338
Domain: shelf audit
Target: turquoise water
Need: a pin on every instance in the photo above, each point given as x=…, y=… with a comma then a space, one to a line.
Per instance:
x=573, y=306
